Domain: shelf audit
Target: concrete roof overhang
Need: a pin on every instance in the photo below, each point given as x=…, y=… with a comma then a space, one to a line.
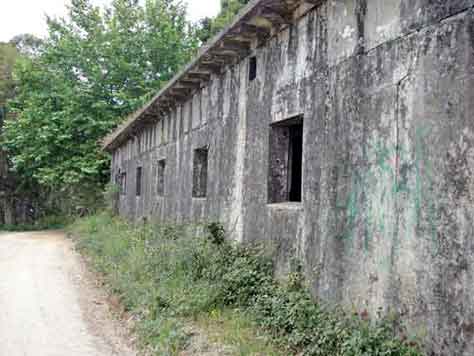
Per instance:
x=255, y=24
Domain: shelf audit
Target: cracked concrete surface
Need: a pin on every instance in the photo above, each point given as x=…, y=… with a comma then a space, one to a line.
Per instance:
x=386, y=91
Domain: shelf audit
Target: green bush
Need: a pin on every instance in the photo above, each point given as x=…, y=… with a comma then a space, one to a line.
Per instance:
x=111, y=198
x=165, y=273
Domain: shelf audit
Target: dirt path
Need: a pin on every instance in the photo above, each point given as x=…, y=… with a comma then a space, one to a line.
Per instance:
x=49, y=305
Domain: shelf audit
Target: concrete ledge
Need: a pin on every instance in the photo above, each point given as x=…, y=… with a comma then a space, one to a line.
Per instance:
x=286, y=206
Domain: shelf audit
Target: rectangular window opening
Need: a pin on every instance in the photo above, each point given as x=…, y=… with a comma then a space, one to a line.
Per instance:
x=252, y=68
x=139, y=181
x=118, y=177
x=200, y=172
x=123, y=183
x=161, y=177
x=286, y=161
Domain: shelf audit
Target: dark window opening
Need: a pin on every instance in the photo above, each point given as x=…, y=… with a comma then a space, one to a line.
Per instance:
x=139, y=181
x=295, y=165
x=123, y=183
x=252, y=68
x=161, y=177
x=200, y=173
x=286, y=161
x=118, y=177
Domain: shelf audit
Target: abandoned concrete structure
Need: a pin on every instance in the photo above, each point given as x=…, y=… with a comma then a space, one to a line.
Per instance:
x=339, y=131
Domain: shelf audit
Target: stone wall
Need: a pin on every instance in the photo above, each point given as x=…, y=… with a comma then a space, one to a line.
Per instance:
x=386, y=222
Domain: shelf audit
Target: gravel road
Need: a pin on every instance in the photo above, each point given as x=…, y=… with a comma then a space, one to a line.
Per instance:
x=49, y=304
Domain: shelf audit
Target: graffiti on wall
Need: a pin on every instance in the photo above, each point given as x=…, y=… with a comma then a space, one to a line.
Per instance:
x=392, y=198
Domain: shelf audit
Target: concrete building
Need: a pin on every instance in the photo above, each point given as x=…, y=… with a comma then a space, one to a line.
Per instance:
x=341, y=132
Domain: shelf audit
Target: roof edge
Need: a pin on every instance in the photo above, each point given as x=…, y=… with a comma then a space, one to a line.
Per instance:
x=258, y=21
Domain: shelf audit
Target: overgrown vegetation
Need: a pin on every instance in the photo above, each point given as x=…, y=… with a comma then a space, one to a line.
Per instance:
x=66, y=92
x=95, y=67
x=170, y=275
x=209, y=27
x=16, y=195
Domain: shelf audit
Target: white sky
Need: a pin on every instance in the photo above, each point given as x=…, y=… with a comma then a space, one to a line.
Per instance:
x=28, y=16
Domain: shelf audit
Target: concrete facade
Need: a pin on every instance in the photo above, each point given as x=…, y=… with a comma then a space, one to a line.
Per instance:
x=386, y=219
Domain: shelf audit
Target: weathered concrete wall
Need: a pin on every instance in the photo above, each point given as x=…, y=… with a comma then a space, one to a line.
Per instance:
x=387, y=218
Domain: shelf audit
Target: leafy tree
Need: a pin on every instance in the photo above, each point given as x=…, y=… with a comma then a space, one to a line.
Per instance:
x=210, y=27
x=96, y=66
x=27, y=44
x=8, y=184
x=8, y=56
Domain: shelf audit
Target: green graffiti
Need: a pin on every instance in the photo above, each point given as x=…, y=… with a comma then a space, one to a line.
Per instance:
x=424, y=184
x=396, y=181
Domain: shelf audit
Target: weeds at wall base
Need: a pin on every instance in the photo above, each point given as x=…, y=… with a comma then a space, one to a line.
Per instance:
x=52, y=222
x=172, y=276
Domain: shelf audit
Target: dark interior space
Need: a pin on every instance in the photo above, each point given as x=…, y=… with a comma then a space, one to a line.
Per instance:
x=295, y=162
x=139, y=181
x=286, y=161
x=252, y=68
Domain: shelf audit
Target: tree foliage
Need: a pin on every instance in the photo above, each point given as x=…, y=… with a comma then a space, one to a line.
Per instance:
x=95, y=67
x=211, y=26
x=8, y=56
x=27, y=44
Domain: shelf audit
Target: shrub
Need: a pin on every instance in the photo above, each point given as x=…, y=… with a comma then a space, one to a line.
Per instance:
x=112, y=198
x=165, y=273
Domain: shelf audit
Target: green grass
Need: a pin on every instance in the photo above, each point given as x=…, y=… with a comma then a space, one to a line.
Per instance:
x=171, y=277
x=234, y=327
x=53, y=222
